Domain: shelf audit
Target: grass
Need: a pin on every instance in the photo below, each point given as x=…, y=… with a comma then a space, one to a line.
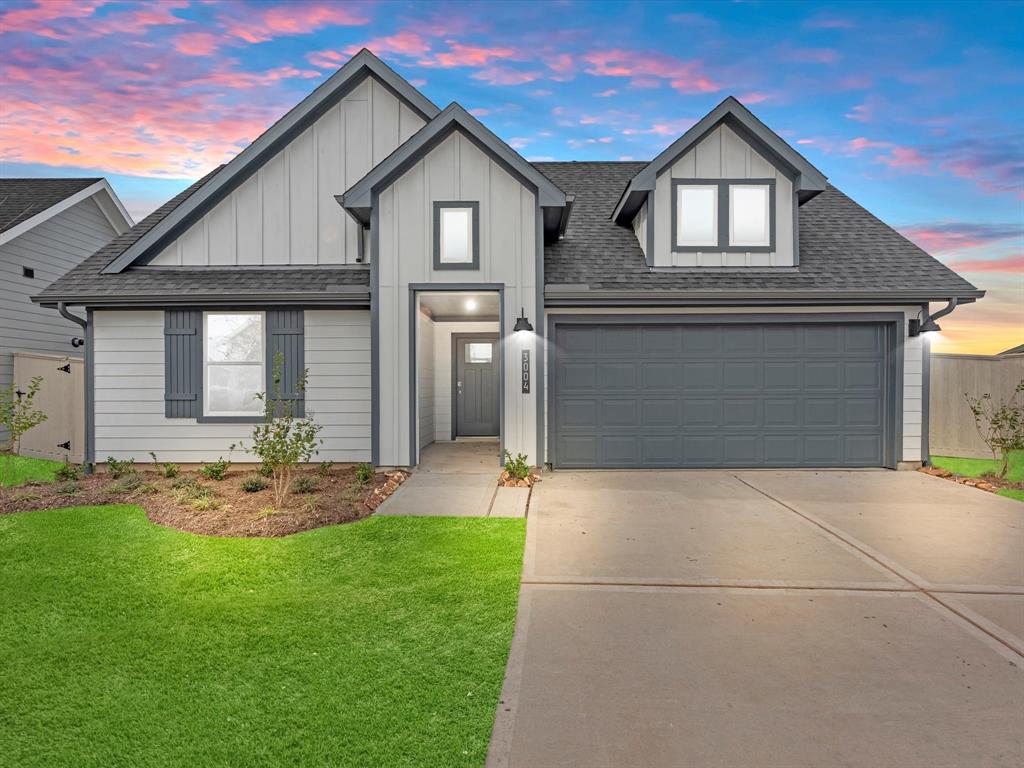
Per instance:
x=378, y=643
x=18, y=470
x=979, y=467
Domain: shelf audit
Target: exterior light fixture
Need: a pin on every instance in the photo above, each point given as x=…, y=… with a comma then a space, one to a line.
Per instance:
x=522, y=323
x=470, y=304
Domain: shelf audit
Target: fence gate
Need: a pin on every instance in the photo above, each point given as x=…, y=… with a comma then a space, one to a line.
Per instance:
x=62, y=398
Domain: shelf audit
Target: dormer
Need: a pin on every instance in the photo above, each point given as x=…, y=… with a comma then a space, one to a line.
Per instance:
x=725, y=194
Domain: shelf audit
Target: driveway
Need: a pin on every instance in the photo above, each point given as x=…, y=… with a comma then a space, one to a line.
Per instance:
x=766, y=618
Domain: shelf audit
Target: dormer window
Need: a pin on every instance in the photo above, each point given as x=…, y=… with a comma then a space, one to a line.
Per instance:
x=723, y=215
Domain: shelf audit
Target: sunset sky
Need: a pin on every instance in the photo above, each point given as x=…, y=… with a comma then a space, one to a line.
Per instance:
x=914, y=110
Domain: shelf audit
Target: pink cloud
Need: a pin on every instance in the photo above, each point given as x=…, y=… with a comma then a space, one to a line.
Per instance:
x=950, y=237
x=754, y=97
x=34, y=18
x=260, y=23
x=646, y=66
x=662, y=128
x=479, y=112
x=859, y=144
x=1012, y=263
x=498, y=75
x=195, y=43
x=402, y=43
x=606, y=93
x=460, y=55
x=906, y=158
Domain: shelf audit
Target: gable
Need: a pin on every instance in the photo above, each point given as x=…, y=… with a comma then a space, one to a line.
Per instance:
x=285, y=212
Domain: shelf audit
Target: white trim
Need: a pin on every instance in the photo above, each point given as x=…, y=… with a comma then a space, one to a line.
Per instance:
x=68, y=202
x=262, y=364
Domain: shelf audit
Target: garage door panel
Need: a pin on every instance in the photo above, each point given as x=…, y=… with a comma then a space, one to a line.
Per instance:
x=730, y=395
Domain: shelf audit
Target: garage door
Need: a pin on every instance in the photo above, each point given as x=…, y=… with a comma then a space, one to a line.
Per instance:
x=722, y=395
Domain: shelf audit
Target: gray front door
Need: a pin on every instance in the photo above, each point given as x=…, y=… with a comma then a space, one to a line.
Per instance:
x=476, y=385
x=707, y=394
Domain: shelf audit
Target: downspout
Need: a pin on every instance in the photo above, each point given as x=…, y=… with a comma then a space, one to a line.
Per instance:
x=87, y=457
x=945, y=310
x=926, y=366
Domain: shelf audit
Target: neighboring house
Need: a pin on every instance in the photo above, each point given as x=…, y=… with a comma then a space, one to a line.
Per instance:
x=721, y=305
x=1018, y=350
x=47, y=226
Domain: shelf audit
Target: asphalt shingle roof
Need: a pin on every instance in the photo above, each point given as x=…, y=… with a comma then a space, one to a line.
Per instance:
x=21, y=199
x=85, y=283
x=1018, y=350
x=842, y=247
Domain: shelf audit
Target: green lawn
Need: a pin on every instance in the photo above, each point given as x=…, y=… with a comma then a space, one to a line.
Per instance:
x=16, y=470
x=979, y=467
x=380, y=643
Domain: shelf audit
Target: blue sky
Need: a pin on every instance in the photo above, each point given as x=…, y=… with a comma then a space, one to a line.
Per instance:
x=913, y=109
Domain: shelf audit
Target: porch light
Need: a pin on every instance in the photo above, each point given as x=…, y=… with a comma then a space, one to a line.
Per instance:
x=470, y=305
x=522, y=323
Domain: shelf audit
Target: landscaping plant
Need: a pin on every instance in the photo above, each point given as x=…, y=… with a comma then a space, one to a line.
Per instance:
x=18, y=415
x=1000, y=424
x=116, y=468
x=325, y=468
x=217, y=470
x=167, y=469
x=304, y=484
x=254, y=484
x=364, y=472
x=68, y=471
x=283, y=440
x=517, y=467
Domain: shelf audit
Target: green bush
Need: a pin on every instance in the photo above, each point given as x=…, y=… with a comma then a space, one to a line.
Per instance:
x=183, y=482
x=68, y=471
x=254, y=484
x=517, y=467
x=118, y=468
x=265, y=470
x=324, y=469
x=149, y=488
x=167, y=469
x=364, y=472
x=68, y=489
x=189, y=492
x=130, y=482
x=204, y=503
x=304, y=484
x=216, y=470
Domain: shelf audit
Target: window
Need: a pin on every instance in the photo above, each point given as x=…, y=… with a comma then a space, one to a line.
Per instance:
x=748, y=215
x=233, y=363
x=478, y=352
x=697, y=215
x=456, y=235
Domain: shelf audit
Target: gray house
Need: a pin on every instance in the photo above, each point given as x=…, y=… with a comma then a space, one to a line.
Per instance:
x=720, y=305
x=47, y=226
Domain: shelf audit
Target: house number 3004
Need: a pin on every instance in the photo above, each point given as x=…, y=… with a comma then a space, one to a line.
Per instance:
x=526, y=371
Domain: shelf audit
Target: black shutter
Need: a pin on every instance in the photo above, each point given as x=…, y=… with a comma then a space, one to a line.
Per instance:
x=286, y=334
x=183, y=363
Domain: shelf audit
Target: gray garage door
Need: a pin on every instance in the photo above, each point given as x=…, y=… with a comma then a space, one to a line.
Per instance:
x=723, y=395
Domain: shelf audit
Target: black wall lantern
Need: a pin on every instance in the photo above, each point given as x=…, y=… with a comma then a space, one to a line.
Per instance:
x=522, y=324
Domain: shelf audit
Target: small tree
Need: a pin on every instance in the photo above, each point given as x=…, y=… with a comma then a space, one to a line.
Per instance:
x=18, y=415
x=283, y=440
x=1000, y=424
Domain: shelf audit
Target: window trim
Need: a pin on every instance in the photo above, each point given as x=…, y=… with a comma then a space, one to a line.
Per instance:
x=231, y=416
x=474, y=262
x=724, y=214
x=714, y=189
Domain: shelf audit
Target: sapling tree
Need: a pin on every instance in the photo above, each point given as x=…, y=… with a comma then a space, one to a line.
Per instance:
x=283, y=440
x=1000, y=424
x=18, y=415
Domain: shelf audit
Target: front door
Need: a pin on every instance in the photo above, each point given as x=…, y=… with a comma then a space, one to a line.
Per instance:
x=476, y=385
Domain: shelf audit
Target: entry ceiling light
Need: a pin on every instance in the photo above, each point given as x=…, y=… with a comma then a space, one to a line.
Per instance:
x=522, y=323
x=470, y=305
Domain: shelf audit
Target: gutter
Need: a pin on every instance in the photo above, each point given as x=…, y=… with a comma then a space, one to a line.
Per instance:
x=359, y=297
x=578, y=295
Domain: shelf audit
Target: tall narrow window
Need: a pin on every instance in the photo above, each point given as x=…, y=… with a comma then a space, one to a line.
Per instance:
x=456, y=236
x=233, y=363
x=696, y=215
x=749, y=222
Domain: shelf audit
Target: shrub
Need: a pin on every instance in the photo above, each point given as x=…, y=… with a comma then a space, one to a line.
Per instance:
x=191, y=491
x=167, y=469
x=184, y=482
x=68, y=471
x=324, y=469
x=283, y=440
x=364, y=472
x=517, y=467
x=304, y=484
x=118, y=468
x=216, y=470
x=130, y=482
x=1000, y=424
x=265, y=470
x=204, y=503
x=68, y=489
x=149, y=488
x=254, y=484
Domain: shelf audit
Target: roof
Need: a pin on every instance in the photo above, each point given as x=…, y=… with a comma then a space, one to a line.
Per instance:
x=27, y=203
x=246, y=162
x=1018, y=350
x=844, y=249
x=454, y=117
x=87, y=284
x=808, y=181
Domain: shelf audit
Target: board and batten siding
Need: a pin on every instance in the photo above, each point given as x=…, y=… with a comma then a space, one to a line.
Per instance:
x=722, y=155
x=286, y=213
x=426, y=361
x=51, y=249
x=129, y=391
x=456, y=169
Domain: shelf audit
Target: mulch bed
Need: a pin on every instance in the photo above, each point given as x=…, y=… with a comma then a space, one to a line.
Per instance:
x=229, y=511
x=990, y=483
x=505, y=480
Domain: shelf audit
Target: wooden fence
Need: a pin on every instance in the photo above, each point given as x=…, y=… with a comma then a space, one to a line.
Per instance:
x=951, y=429
x=62, y=398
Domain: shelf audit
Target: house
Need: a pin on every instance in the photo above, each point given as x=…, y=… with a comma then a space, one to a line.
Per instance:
x=47, y=226
x=720, y=305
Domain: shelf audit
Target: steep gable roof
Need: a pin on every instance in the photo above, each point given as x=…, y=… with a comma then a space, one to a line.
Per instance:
x=243, y=165
x=358, y=199
x=27, y=203
x=808, y=180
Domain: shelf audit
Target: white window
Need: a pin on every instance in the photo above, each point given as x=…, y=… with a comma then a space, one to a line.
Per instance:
x=233, y=363
x=749, y=215
x=696, y=215
x=456, y=236
x=478, y=352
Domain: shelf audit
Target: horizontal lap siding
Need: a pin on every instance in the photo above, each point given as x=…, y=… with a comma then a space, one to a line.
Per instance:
x=129, y=391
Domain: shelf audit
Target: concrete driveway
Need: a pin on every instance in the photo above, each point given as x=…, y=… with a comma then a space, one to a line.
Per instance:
x=766, y=618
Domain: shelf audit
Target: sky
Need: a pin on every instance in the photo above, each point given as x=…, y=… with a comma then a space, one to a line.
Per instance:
x=913, y=109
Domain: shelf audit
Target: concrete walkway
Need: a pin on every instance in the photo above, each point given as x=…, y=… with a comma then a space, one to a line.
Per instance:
x=457, y=479
x=766, y=618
